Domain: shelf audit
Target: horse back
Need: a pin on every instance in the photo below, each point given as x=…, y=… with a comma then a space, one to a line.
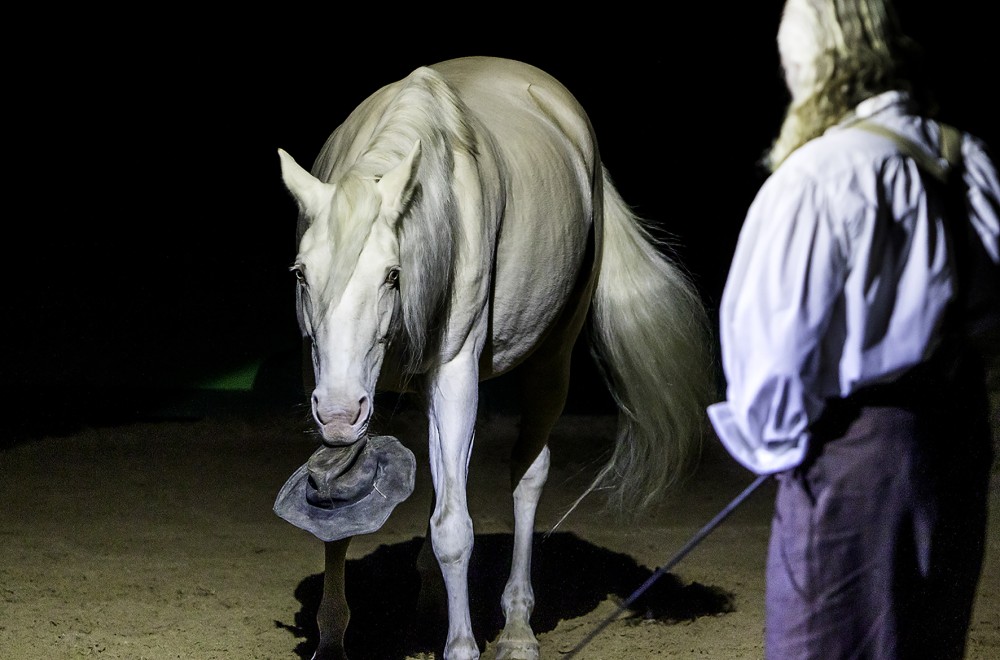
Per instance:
x=548, y=161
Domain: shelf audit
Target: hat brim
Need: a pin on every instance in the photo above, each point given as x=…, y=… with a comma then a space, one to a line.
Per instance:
x=395, y=474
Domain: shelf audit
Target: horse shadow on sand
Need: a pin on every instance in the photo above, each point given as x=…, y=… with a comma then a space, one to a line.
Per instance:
x=571, y=577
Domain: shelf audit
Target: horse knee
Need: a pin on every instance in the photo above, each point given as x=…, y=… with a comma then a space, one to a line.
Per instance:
x=452, y=537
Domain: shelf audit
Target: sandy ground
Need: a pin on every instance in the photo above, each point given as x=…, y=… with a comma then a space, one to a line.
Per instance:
x=153, y=537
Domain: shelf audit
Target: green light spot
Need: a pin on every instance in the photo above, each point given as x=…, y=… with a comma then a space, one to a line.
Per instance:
x=240, y=379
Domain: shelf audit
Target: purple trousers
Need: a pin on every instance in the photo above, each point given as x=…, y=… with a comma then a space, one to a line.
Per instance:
x=877, y=539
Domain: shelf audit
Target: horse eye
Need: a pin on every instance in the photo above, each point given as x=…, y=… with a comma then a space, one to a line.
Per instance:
x=392, y=279
x=299, y=275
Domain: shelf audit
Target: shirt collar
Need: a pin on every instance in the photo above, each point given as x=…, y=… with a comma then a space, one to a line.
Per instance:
x=876, y=104
x=873, y=105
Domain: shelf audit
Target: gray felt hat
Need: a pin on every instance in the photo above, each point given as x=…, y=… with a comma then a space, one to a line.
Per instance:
x=348, y=491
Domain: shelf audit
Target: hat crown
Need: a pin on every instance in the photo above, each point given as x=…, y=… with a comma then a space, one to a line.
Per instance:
x=338, y=494
x=341, y=475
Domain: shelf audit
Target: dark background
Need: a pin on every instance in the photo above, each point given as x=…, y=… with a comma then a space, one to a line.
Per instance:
x=147, y=232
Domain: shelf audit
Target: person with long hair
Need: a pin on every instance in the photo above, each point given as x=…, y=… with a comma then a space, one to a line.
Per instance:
x=850, y=373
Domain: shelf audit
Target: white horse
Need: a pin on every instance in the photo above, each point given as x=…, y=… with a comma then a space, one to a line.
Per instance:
x=458, y=224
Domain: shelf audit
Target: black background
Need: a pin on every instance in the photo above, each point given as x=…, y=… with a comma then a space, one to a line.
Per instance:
x=147, y=234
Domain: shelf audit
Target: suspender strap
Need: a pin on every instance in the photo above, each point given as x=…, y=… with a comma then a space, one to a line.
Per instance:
x=950, y=148
x=951, y=144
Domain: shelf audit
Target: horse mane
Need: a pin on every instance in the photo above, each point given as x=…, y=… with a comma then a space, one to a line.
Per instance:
x=425, y=108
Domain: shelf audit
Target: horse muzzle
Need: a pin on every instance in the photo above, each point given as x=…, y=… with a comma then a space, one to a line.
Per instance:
x=339, y=426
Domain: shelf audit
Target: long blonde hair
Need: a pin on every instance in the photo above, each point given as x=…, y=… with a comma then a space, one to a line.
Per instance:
x=857, y=50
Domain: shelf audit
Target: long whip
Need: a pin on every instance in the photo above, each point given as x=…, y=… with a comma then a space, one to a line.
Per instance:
x=695, y=540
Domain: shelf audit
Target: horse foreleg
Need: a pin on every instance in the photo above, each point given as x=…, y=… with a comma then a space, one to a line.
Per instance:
x=452, y=416
x=334, y=613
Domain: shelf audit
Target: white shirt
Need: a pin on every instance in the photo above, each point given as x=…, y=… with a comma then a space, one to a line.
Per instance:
x=840, y=280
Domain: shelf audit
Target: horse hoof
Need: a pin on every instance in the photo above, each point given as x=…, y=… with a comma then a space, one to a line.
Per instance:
x=517, y=642
x=517, y=651
x=461, y=649
x=329, y=654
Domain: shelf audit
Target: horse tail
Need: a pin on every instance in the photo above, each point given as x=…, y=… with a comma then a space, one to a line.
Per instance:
x=652, y=341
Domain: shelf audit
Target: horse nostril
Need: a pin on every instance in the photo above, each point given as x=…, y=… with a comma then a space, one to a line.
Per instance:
x=362, y=411
x=316, y=411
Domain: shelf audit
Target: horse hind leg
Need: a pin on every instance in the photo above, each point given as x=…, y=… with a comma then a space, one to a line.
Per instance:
x=545, y=386
x=517, y=641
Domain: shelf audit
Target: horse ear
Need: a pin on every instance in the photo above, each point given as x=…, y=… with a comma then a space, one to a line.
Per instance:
x=307, y=190
x=397, y=185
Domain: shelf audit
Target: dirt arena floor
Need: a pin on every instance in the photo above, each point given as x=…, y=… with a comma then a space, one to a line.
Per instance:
x=152, y=535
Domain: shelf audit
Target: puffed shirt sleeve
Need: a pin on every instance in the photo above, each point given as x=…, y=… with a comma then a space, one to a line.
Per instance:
x=983, y=190
x=785, y=281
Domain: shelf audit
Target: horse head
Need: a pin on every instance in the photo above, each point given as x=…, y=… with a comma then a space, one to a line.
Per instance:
x=348, y=271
